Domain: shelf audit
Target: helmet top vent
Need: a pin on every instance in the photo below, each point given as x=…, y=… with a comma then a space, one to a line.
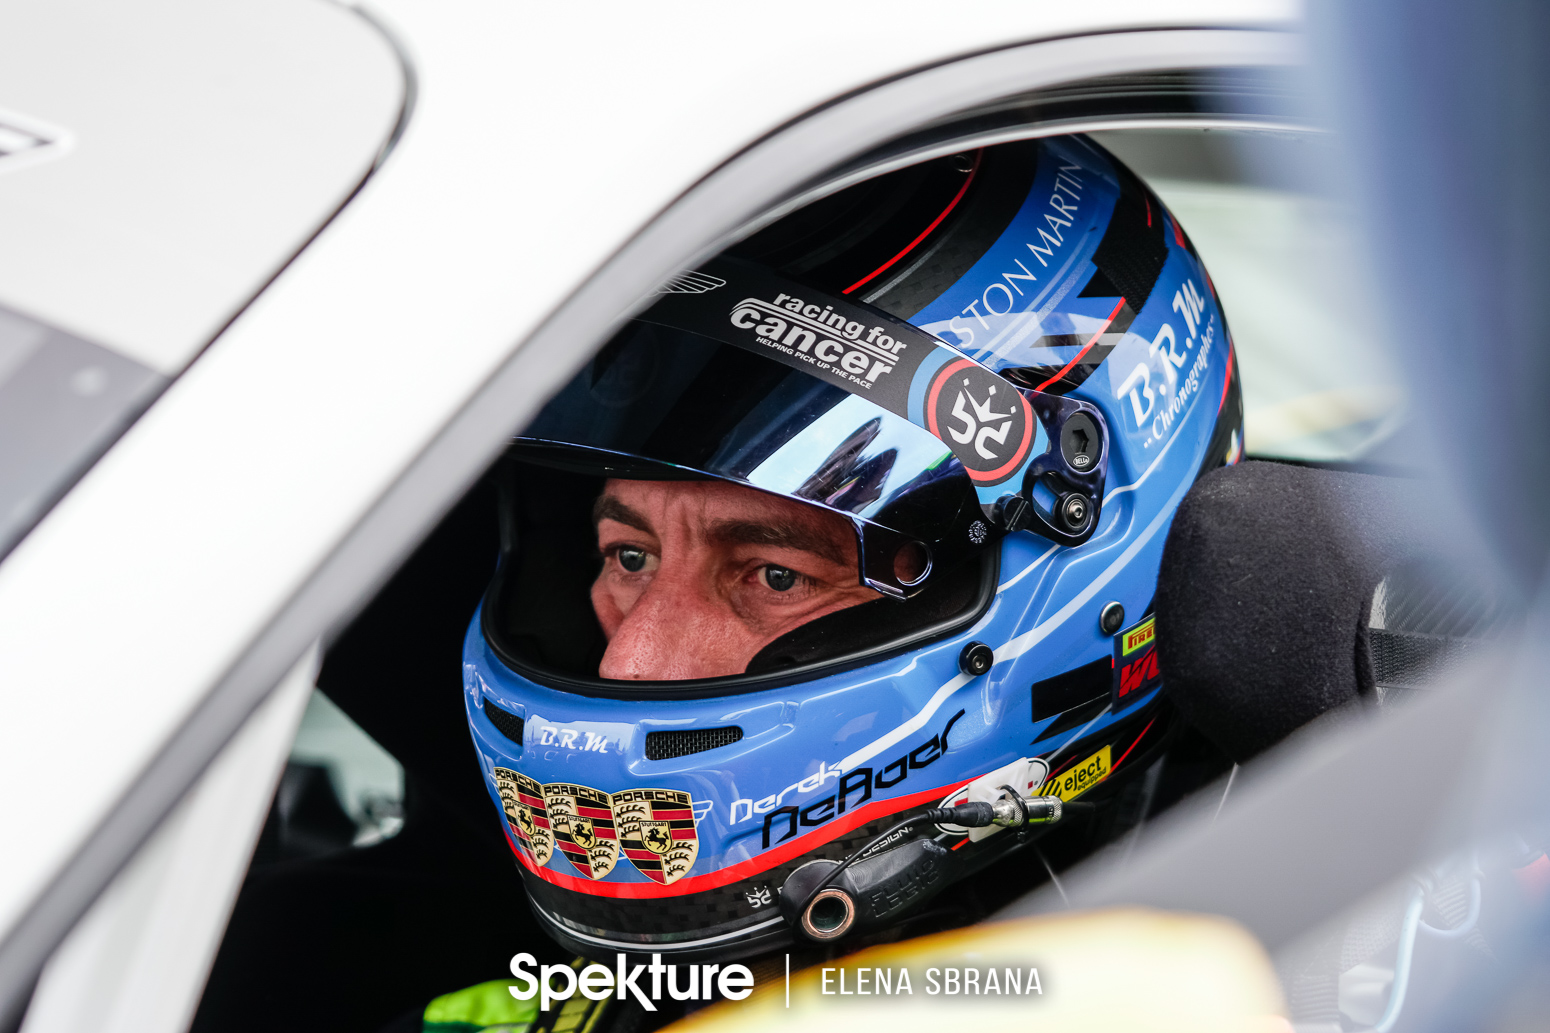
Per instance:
x=667, y=745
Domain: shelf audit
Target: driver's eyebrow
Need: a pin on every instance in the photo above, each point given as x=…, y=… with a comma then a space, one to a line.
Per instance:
x=609, y=508
x=748, y=532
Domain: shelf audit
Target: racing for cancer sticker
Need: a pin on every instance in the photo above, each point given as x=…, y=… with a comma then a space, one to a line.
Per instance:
x=983, y=416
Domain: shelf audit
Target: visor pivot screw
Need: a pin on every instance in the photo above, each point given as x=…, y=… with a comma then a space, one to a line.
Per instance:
x=976, y=659
x=1111, y=618
x=1074, y=511
x=1014, y=512
x=1081, y=442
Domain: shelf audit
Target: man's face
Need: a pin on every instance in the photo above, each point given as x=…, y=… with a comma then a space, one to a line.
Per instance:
x=698, y=576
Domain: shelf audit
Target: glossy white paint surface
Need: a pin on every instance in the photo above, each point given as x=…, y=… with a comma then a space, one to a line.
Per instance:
x=137, y=962
x=211, y=139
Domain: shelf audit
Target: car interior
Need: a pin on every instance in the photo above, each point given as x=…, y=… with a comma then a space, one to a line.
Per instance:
x=381, y=879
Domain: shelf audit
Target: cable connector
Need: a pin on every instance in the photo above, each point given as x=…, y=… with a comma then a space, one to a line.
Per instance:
x=831, y=908
x=1008, y=812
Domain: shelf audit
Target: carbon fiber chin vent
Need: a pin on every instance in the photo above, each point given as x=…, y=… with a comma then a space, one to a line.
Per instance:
x=667, y=745
x=505, y=722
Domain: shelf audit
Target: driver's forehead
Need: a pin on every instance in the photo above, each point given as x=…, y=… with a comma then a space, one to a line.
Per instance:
x=708, y=503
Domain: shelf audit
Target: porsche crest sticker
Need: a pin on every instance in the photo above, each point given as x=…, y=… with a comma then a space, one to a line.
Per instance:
x=583, y=822
x=523, y=800
x=654, y=829
x=656, y=832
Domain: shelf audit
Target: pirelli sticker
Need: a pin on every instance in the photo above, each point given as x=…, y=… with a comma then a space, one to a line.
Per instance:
x=1077, y=779
x=1135, y=664
x=652, y=829
x=1142, y=636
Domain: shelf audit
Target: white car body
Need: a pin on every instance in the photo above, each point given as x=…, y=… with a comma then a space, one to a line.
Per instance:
x=554, y=165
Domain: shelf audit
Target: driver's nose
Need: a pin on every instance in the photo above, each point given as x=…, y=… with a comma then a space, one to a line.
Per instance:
x=678, y=628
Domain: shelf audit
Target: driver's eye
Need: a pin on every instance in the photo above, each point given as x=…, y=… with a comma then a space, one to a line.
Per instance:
x=631, y=558
x=779, y=578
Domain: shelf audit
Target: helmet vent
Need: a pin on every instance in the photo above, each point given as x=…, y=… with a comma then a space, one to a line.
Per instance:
x=505, y=722
x=667, y=745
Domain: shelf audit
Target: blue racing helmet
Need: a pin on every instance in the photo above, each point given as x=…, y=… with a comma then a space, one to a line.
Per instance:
x=1004, y=369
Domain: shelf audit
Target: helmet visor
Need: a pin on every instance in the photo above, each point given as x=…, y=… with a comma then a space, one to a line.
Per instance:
x=664, y=403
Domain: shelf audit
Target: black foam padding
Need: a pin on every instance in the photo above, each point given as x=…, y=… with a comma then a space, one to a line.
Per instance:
x=539, y=607
x=1262, y=597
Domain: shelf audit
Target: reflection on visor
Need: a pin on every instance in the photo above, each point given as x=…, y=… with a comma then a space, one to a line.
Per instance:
x=675, y=398
x=865, y=448
x=1003, y=438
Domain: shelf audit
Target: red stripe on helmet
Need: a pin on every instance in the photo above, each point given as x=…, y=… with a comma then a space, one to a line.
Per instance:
x=925, y=232
x=1227, y=380
x=743, y=869
x=1085, y=348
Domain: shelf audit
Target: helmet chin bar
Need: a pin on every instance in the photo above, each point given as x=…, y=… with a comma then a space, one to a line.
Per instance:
x=825, y=900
